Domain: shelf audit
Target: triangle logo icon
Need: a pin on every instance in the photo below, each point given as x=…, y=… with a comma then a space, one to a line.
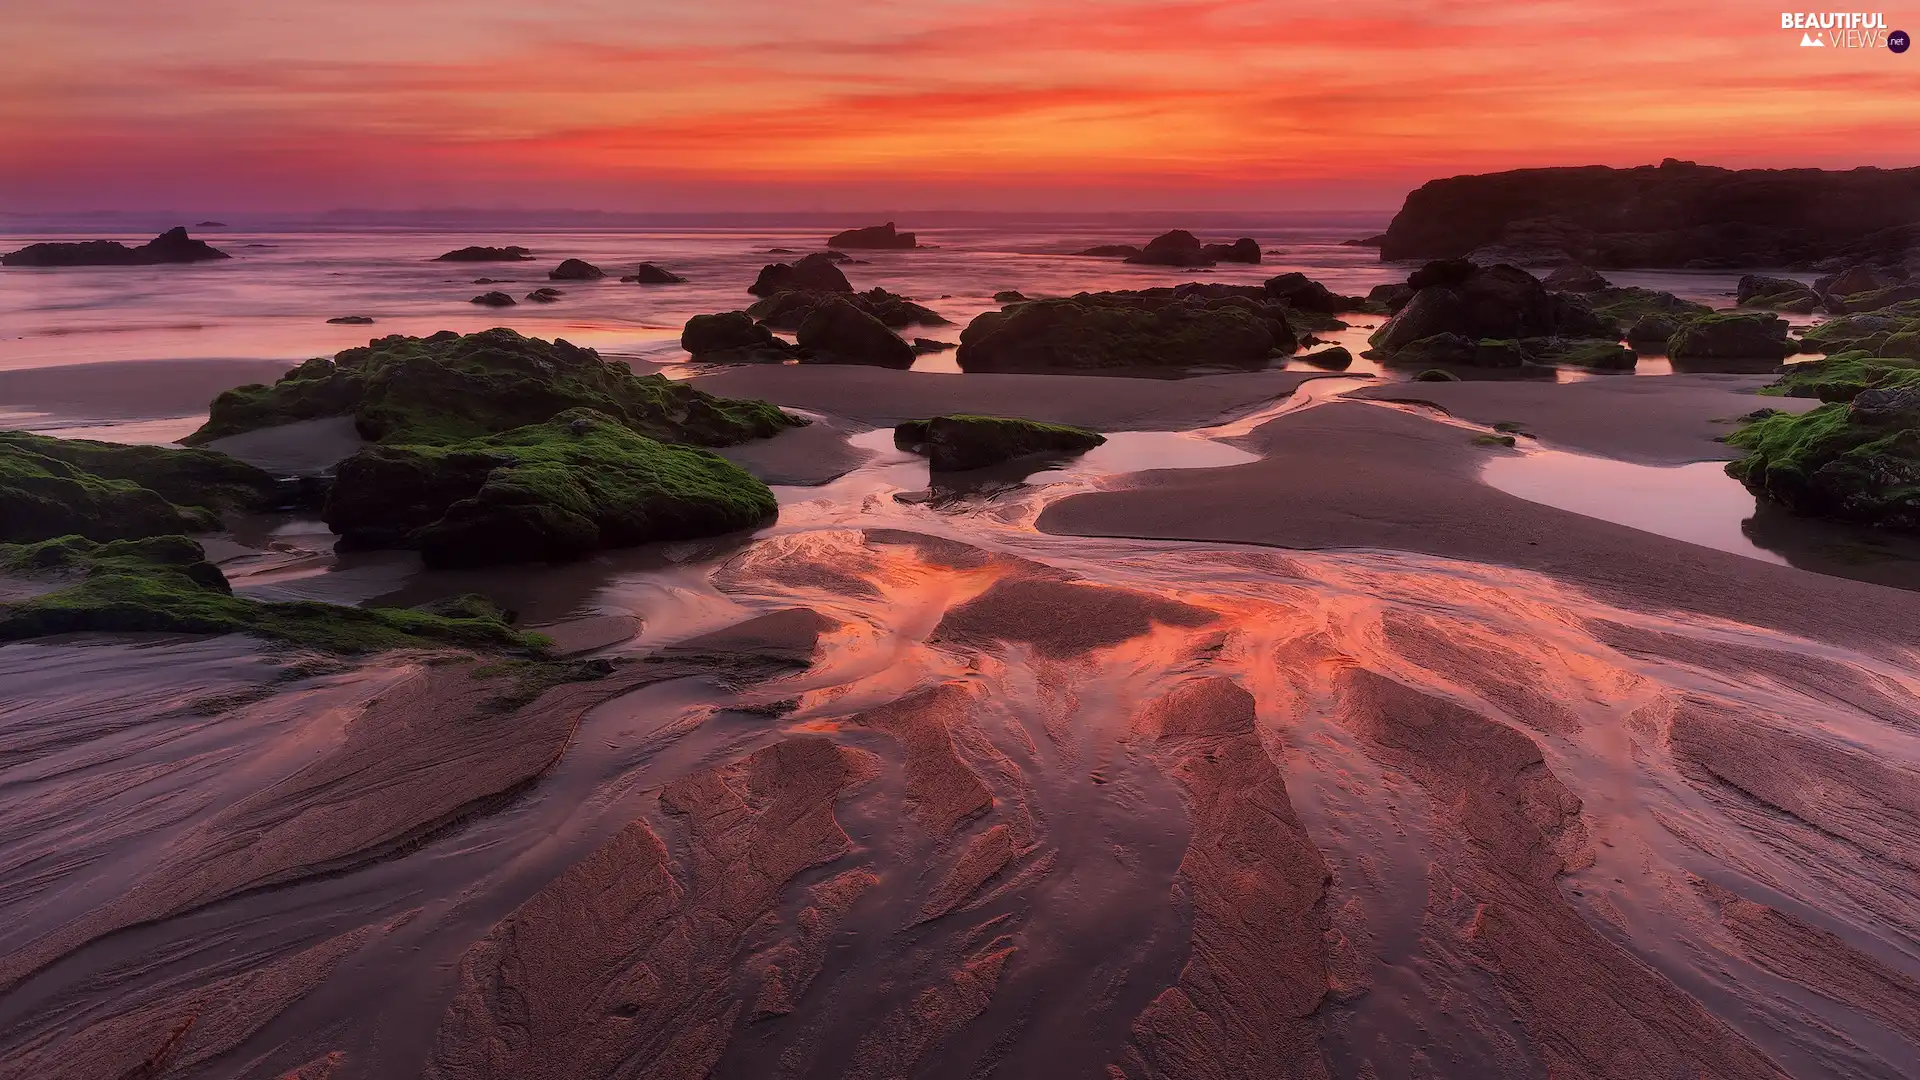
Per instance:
x=1808, y=41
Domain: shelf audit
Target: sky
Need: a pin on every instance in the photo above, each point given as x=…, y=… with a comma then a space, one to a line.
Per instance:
x=646, y=105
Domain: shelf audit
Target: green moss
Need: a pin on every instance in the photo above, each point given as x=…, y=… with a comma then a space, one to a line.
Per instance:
x=43, y=497
x=551, y=491
x=164, y=584
x=1511, y=427
x=187, y=477
x=1842, y=375
x=1628, y=304
x=451, y=387
x=1592, y=353
x=1118, y=331
x=1823, y=464
x=961, y=442
x=1729, y=335
x=1867, y=330
x=1494, y=440
x=528, y=679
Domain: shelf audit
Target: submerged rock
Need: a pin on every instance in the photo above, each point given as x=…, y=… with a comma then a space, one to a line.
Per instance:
x=1115, y=331
x=815, y=273
x=1176, y=248
x=576, y=270
x=495, y=298
x=923, y=346
x=732, y=337
x=352, y=320
x=1731, y=335
x=545, y=295
x=1334, y=358
x=879, y=237
x=1306, y=294
x=511, y=253
x=1243, y=250
x=172, y=246
x=960, y=443
x=1009, y=296
x=649, y=274
x=1111, y=251
x=838, y=332
x=553, y=491
x=451, y=386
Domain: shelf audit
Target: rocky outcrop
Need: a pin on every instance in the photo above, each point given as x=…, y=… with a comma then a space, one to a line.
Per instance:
x=787, y=310
x=960, y=443
x=576, y=270
x=511, y=253
x=494, y=298
x=1776, y=294
x=732, y=337
x=1332, y=358
x=1373, y=241
x=814, y=273
x=1854, y=279
x=545, y=295
x=351, y=320
x=649, y=274
x=1144, y=330
x=1872, y=331
x=1111, y=251
x=1009, y=296
x=1629, y=303
x=1474, y=302
x=1845, y=376
x=1243, y=250
x=873, y=237
x=837, y=332
x=1176, y=248
x=549, y=492
x=450, y=387
x=1576, y=278
x=1742, y=335
x=106, y=491
x=1675, y=215
x=1857, y=461
x=1873, y=300
x=172, y=246
x=1305, y=294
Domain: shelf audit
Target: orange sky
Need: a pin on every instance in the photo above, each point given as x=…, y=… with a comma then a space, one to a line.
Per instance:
x=849, y=104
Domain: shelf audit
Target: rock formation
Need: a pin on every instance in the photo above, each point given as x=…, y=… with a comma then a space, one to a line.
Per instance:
x=876, y=237
x=960, y=443
x=487, y=254
x=814, y=273
x=172, y=246
x=576, y=270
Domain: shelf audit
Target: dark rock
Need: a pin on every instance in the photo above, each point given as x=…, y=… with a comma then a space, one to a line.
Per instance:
x=1144, y=329
x=352, y=320
x=1176, y=248
x=576, y=270
x=487, y=254
x=881, y=237
x=733, y=337
x=781, y=251
x=787, y=310
x=1731, y=335
x=494, y=299
x=172, y=246
x=1500, y=302
x=489, y=281
x=1675, y=215
x=1302, y=292
x=1331, y=359
x=107, y=491
x=834, y=256
x=1389, y=298
x=1651, y=332
x=1631, y=302
x=1243, y=250
x=1436, y=375
x=922, y=346
x=545, y=295
x=1593, y=354
x=1894, y=407
x=209, y=224
x=1855, y=279
x=1576, y=278
x=1857, y=462
x=1009, y=296
x=1876, y=300
x=1373, y=241
x=649, y=274
x=961, y=443
x=1111, y=251
x=815, y=273
x=837, y=332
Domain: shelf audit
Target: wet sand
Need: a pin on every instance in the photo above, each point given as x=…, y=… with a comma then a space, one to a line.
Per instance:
x=1458, y=786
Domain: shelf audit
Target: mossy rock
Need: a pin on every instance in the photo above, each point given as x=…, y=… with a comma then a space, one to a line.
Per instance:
x=1731, y=335
x=1592, y=354
x=1867, y=330
x=959, y=443
x=205, y=478
x=1453, y=349
x=555, y=491
x=165, y=585
x=1507, y=441
x=1631, y=303
x=43, y=497
x=450, y=387
x=787, y=310
x=1792, y=301
x=1842, y=376
x=1436, y=375
x=1838, y=461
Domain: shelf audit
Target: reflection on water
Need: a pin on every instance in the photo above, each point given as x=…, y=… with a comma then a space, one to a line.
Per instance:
x=1700, y=504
